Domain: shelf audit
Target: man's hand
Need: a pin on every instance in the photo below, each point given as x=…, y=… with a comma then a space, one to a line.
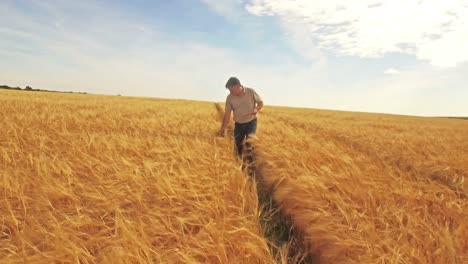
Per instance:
x=221, y=132
x=227, y=116
x=253, y=113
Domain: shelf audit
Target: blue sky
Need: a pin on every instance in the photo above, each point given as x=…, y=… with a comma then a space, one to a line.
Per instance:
x=399, y=56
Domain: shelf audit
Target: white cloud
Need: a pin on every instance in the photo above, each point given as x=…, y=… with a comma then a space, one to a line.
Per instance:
x=391, y=71
x=432, y=30
x=298, y=36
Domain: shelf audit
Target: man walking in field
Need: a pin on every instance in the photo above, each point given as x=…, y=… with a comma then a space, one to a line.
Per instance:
x=245, y=103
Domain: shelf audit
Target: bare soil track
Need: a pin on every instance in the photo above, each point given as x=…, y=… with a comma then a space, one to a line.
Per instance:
x=278, y=227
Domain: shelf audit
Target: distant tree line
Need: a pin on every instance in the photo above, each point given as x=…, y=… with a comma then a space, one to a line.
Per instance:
x=29, y=88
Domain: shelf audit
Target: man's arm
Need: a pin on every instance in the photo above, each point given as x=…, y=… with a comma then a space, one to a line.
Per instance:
x=227, y=117
x=258, y=101
x=259, y=106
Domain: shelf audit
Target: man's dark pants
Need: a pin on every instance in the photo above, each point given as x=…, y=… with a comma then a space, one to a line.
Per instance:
x=242, y=132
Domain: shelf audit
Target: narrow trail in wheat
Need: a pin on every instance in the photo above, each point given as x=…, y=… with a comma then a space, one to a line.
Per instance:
x=286, y=241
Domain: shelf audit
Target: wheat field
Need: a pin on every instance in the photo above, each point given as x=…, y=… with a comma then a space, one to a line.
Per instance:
x=106, y=179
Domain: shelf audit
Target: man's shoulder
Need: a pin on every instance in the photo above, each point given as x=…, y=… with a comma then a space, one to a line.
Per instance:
x=249, y=89
x=229, y=98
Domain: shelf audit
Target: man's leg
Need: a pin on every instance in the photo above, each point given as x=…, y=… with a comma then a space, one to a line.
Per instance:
x=238, y=138
x=250, y=130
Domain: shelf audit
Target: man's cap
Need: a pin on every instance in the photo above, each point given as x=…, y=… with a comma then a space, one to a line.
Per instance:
x=232, y=81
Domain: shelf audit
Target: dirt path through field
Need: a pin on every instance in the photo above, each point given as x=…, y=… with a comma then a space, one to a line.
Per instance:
x=286, y=242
